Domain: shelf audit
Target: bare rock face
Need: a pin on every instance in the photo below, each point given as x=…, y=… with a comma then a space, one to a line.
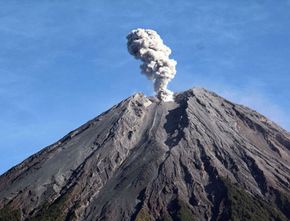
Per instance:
x=198, y=158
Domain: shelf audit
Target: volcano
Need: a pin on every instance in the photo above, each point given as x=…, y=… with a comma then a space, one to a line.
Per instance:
x=200, y=157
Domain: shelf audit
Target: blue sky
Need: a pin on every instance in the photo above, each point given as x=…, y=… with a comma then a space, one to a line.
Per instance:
x=64, y=62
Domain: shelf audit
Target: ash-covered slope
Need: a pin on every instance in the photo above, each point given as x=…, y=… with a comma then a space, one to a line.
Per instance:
x=198, y=158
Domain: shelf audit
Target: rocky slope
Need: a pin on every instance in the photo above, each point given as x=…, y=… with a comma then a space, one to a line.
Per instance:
x=198, y=158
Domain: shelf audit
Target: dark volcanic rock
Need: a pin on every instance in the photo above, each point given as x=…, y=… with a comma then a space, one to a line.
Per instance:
x=198, y=158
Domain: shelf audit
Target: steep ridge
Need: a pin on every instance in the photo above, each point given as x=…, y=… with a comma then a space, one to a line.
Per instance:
x=198, y=158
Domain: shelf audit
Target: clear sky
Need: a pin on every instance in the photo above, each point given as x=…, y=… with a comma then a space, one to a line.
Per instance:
x=64, y=62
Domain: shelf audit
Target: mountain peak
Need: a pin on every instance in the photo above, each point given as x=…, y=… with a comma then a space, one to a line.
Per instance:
x=199, y=157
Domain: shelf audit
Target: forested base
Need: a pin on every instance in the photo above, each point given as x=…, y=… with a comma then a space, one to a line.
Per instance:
x=8, y=214
x=238, y=205
x=53, y=212
x=242, y=206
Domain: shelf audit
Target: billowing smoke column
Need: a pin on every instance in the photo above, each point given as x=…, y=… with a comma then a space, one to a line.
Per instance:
x=146, y=45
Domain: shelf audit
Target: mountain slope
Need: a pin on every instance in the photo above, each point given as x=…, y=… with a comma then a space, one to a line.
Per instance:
x=198, y=158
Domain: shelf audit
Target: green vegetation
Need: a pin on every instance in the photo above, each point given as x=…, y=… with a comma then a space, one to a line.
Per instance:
x=167, y=217
x=8, y=214
x=143, y=215
x=54, y=212
x=283, y=202
x=239, y=205
x=179, y=211
x=243, y=206
x=183, y=213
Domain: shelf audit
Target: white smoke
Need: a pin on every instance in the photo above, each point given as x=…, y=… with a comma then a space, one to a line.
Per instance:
x=146, y=45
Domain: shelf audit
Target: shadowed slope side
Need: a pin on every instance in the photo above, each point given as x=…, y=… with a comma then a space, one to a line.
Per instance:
x=200, y=157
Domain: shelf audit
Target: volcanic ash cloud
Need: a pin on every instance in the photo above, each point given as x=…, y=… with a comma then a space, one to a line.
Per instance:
x=147, y=46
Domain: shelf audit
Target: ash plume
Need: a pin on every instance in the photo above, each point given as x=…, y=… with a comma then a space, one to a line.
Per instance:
x=147, y=46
